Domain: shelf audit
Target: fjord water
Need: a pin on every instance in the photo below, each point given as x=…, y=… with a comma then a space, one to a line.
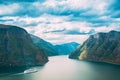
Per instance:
x=62, y=68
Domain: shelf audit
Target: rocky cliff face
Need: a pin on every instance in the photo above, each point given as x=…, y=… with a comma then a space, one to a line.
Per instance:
x=67, y=48
x=101, y=47
x=47, y=47
x=17, y=49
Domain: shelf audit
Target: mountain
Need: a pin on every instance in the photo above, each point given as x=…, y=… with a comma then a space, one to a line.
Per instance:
x=17, y=50
x=52, y=50
x=101, y=47
x=47, y=47
x=66, y=48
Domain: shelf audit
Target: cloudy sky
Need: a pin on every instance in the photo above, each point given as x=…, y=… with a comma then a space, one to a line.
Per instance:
x=61, y=21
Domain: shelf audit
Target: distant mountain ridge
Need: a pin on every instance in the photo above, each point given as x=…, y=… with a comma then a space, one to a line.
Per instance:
x=53, y=50
x=47, y=47
x=101, y=47
x=66, y=48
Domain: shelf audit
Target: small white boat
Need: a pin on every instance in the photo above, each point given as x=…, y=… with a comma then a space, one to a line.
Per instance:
x=32, y=70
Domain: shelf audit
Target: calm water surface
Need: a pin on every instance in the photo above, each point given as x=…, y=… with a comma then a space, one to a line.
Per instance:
x=62, y=68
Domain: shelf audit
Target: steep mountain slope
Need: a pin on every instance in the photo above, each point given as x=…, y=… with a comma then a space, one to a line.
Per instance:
x=17, y=49
x=47, y=47
x=101, y=47
x=52, y=50
x=66, y=48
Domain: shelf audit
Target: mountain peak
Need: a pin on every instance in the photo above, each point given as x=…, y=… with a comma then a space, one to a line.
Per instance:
x=101, y=47
x=17, y=49
x=113, y=31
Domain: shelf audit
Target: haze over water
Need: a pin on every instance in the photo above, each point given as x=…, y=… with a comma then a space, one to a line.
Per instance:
x=62, y=68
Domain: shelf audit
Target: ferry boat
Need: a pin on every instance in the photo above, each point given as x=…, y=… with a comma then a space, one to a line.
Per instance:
x=32, y=70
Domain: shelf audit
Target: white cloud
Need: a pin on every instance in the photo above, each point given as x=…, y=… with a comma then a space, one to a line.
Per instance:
x=61, y=38
x=8, y=9
x=46, y=23
x=59, y=6
x=52, y=19
x=51, y=3
x=112, y=26
x=59, y=23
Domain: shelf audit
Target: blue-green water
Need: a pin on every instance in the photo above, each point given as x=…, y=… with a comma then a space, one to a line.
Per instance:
x=62, y=68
